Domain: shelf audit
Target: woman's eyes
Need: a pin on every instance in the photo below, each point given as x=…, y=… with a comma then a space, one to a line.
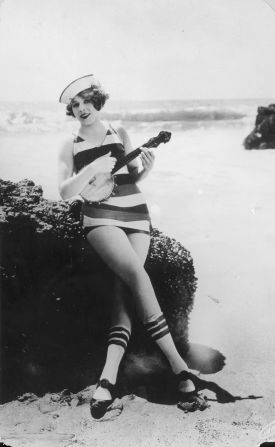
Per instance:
x=86, y=101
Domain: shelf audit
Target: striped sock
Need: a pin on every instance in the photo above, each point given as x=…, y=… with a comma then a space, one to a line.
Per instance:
x=117, y=344
x=119, y=335
x=158, y=329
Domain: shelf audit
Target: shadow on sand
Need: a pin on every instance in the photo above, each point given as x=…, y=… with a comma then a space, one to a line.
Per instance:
x=151, y=379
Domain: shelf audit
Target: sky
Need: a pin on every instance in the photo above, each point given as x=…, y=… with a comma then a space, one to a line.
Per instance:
x=139, y=49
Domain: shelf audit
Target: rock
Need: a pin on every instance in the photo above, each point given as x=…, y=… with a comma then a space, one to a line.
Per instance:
x=263, y=134
x=27, y=397
x=54, y=401
x=56, y=293
x=198, y=402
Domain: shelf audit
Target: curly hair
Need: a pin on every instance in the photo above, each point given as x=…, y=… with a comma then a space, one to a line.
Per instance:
x=95, y=94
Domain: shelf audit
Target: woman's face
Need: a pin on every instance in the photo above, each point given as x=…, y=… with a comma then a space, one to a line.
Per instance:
x=83, y=109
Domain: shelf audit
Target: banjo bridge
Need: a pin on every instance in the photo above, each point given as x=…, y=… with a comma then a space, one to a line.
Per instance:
x=92, y=181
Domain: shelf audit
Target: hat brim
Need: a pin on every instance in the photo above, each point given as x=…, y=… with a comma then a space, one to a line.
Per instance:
x=77, y=86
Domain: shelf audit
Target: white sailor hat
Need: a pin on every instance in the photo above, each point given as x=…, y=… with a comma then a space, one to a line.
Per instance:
x=76, y=87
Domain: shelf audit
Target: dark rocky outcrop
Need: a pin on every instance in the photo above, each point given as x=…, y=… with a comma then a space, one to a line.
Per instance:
x=263, y=134
x=56, y=294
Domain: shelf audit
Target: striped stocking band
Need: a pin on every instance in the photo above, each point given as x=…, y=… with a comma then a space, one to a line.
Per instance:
x=157, y=327
x=119, y=335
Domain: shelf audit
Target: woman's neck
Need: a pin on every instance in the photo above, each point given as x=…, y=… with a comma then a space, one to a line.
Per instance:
x=95, y=127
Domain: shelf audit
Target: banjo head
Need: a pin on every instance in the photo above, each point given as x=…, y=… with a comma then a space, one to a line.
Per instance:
x=100, y=188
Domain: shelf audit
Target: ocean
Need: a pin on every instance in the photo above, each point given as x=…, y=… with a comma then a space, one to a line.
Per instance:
x=177, y=114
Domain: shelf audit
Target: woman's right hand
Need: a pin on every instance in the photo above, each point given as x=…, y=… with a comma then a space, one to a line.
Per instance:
x=104, y=164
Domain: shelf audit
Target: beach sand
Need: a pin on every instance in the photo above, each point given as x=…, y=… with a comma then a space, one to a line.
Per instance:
x=218, y=200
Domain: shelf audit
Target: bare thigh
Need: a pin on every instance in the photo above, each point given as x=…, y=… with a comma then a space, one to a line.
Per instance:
x=140, y=243
x=122, y=305
x=122, y=253
x=126, y=255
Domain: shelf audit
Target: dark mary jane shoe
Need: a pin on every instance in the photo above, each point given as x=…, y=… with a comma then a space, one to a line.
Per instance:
x=188, y=395
x=190, y=400
x=99, y=407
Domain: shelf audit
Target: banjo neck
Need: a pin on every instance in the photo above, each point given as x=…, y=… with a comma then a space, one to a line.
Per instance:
x=125, y=160
x=163, y=137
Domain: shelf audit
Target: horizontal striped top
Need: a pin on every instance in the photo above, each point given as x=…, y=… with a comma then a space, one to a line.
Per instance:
x=126, y=208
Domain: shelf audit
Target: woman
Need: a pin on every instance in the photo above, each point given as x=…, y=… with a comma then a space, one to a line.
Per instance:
x=118, y=229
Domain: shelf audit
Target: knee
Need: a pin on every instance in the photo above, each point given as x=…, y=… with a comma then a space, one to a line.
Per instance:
x=135, y=276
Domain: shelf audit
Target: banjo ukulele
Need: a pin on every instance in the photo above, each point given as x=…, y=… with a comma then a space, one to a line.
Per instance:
x=102, y=185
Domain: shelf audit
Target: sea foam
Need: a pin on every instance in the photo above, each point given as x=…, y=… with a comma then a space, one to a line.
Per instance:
x=44, y=117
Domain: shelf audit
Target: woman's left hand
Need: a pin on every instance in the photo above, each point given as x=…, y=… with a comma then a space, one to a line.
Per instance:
x=147, y=159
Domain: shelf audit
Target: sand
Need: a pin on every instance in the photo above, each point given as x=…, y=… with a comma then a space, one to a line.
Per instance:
x=224, y=198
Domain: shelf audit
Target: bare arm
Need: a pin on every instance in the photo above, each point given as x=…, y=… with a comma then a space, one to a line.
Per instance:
x=70, y=184
x=147, y=158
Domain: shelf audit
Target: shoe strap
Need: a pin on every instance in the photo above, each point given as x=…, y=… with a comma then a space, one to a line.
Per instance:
x=104, y=383
x=184, y=375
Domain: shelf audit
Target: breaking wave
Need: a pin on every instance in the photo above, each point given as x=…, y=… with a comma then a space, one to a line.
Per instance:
x=31, y=117
x=196, y=114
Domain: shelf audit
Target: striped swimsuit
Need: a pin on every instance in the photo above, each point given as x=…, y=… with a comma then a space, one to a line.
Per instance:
x=125, y=209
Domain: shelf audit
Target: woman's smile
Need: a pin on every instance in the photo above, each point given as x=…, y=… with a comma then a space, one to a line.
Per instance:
x=84, y=110
x=84, y=115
